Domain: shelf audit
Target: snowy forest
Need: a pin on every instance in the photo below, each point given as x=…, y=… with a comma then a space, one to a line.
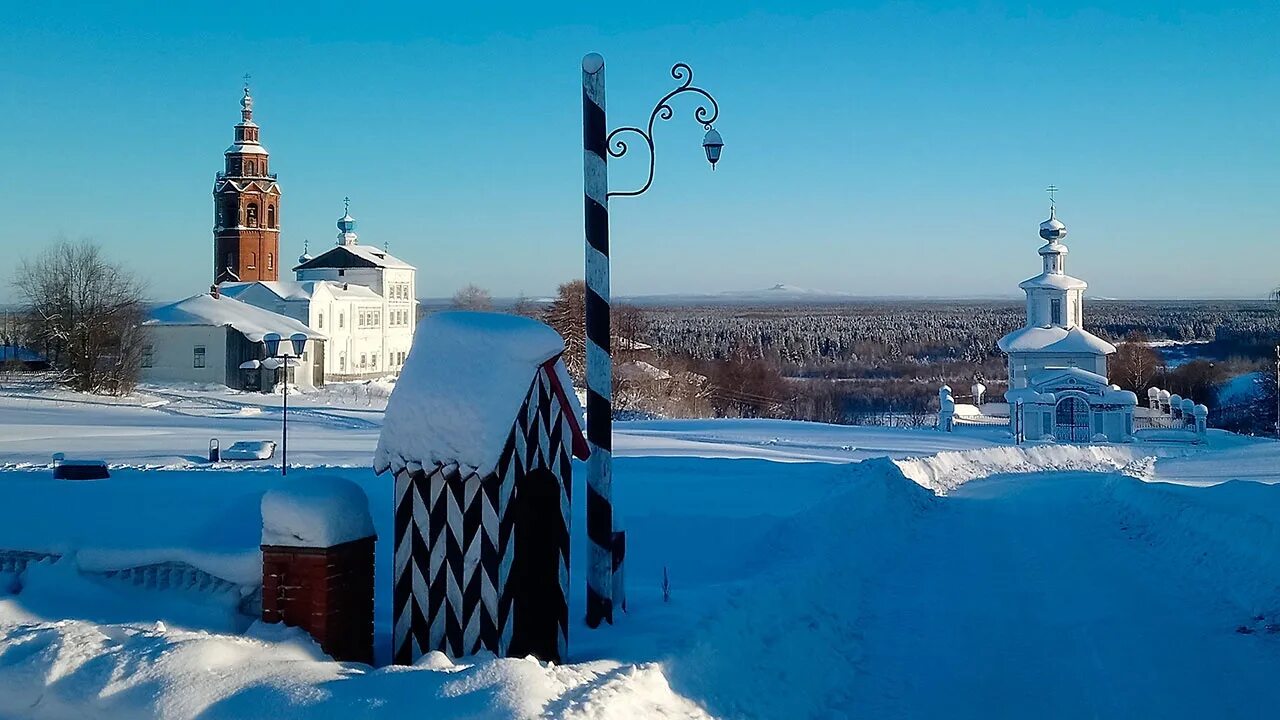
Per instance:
x=883, y=361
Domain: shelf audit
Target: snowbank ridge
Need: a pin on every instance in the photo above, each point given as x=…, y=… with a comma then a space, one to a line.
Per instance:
x=947, y=471
x=1229, y=533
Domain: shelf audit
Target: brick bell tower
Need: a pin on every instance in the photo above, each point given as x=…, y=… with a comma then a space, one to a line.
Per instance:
x=246, y=208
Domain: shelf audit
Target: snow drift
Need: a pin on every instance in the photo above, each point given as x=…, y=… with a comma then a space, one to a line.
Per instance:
x=948, y=470
x=1229, y=532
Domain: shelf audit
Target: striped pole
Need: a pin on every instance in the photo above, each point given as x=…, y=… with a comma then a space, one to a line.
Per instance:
x=599, y=363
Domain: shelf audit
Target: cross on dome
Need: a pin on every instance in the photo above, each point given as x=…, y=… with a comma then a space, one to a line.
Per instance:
x=1052, y=229
x=347, y=225
x=246, y=102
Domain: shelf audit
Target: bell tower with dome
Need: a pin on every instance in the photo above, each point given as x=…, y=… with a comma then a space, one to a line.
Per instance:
x=246, y=207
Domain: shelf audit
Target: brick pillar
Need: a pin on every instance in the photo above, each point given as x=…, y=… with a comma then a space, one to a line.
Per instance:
x=327, y=591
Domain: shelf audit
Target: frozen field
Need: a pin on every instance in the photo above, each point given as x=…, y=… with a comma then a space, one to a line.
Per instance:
x=964, y=578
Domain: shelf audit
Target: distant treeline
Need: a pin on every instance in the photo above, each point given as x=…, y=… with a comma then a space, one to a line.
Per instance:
x=860, y=360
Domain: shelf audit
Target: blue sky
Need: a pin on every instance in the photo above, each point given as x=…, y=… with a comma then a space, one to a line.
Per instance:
x=880, y=148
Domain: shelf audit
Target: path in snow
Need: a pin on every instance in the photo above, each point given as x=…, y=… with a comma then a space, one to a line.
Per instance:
x=1028, y=596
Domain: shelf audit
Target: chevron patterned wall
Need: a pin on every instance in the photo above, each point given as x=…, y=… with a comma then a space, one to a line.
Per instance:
x=456, y=545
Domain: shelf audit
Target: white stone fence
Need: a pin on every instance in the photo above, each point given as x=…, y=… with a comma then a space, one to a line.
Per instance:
x=1170, y=411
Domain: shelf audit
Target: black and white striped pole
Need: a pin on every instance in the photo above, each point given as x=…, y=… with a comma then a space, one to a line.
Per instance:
x=598, y=146
x=599, y=362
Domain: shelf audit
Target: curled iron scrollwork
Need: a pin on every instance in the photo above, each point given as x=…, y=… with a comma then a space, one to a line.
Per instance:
x=704, y=114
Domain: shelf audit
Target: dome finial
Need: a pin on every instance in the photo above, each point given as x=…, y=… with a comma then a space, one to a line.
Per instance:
x=1052, y=229
x=246, y=102
x=347, y=225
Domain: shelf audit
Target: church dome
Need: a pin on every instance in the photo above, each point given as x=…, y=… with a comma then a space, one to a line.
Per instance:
x=1052, y=229
x=246, y=102
x=346, y=223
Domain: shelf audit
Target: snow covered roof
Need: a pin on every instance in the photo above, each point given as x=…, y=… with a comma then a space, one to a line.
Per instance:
x=246, y=149
x=1056, y=281
x=1051, y=374
x=1053, y=248
x=317, y=512
x=300, y=289
x=1055, y=339
x=347, y=256
x=251, y=321
x=461, y=387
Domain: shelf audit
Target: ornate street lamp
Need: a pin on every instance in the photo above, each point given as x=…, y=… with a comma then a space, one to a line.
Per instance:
x=598, y=146
x=298, y=343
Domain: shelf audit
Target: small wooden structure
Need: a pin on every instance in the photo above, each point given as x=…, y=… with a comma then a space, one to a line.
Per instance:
x=480, y=433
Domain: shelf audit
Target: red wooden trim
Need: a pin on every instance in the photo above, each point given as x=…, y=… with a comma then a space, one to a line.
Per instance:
x=580, y=448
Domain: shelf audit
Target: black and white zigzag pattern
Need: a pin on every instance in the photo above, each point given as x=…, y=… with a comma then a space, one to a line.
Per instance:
x=455, y=540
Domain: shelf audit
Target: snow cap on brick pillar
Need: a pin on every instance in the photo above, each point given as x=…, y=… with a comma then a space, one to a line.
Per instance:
x=317, y=563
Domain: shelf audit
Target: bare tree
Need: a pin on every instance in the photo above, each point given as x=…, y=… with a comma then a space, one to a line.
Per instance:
x=85, y=313
x=626, y=325
x=1136, y=364
x=567, y=314
x=524, y=307
x=472, y=297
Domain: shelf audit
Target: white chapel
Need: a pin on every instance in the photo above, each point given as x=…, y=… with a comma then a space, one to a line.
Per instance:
x=1057, y=369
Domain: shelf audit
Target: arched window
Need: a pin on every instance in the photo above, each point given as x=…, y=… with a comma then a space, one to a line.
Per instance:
x=251, y=215
x=253, y=168
x=271, y=216
x=271, y=261
x=253, y=260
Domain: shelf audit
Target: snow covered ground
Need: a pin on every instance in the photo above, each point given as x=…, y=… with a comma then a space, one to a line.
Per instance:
x=809, y=578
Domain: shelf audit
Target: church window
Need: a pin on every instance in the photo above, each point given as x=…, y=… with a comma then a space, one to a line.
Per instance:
x=253, y=261
x=321, y=321
x=1055, y=311
x=197, y=358
x=271, y=261
x=271, y=216
x=373, y=360
x=148, y=355
x=342, y=362
x=341, y=273
x=364, y=360
x=341, y=319
x=251, y=215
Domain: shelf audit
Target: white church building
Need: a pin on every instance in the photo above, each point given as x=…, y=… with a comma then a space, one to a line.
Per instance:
x=1058, y=388
x=361, y=298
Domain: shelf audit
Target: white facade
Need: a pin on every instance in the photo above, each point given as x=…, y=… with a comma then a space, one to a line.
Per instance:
x=362, y=298
x=214, y=339
x=1058, y=385
x=185, y=354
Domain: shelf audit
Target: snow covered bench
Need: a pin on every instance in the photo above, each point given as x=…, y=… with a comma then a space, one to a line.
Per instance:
x=250, y=450
x=64, y=469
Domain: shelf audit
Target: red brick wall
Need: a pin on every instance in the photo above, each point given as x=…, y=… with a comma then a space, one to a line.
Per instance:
x=326, y=591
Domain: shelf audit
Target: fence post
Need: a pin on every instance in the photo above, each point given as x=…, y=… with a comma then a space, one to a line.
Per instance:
x=946, y=409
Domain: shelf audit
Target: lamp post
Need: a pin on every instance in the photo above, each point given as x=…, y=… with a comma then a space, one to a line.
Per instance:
x=599, y=144
x=298, y=343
